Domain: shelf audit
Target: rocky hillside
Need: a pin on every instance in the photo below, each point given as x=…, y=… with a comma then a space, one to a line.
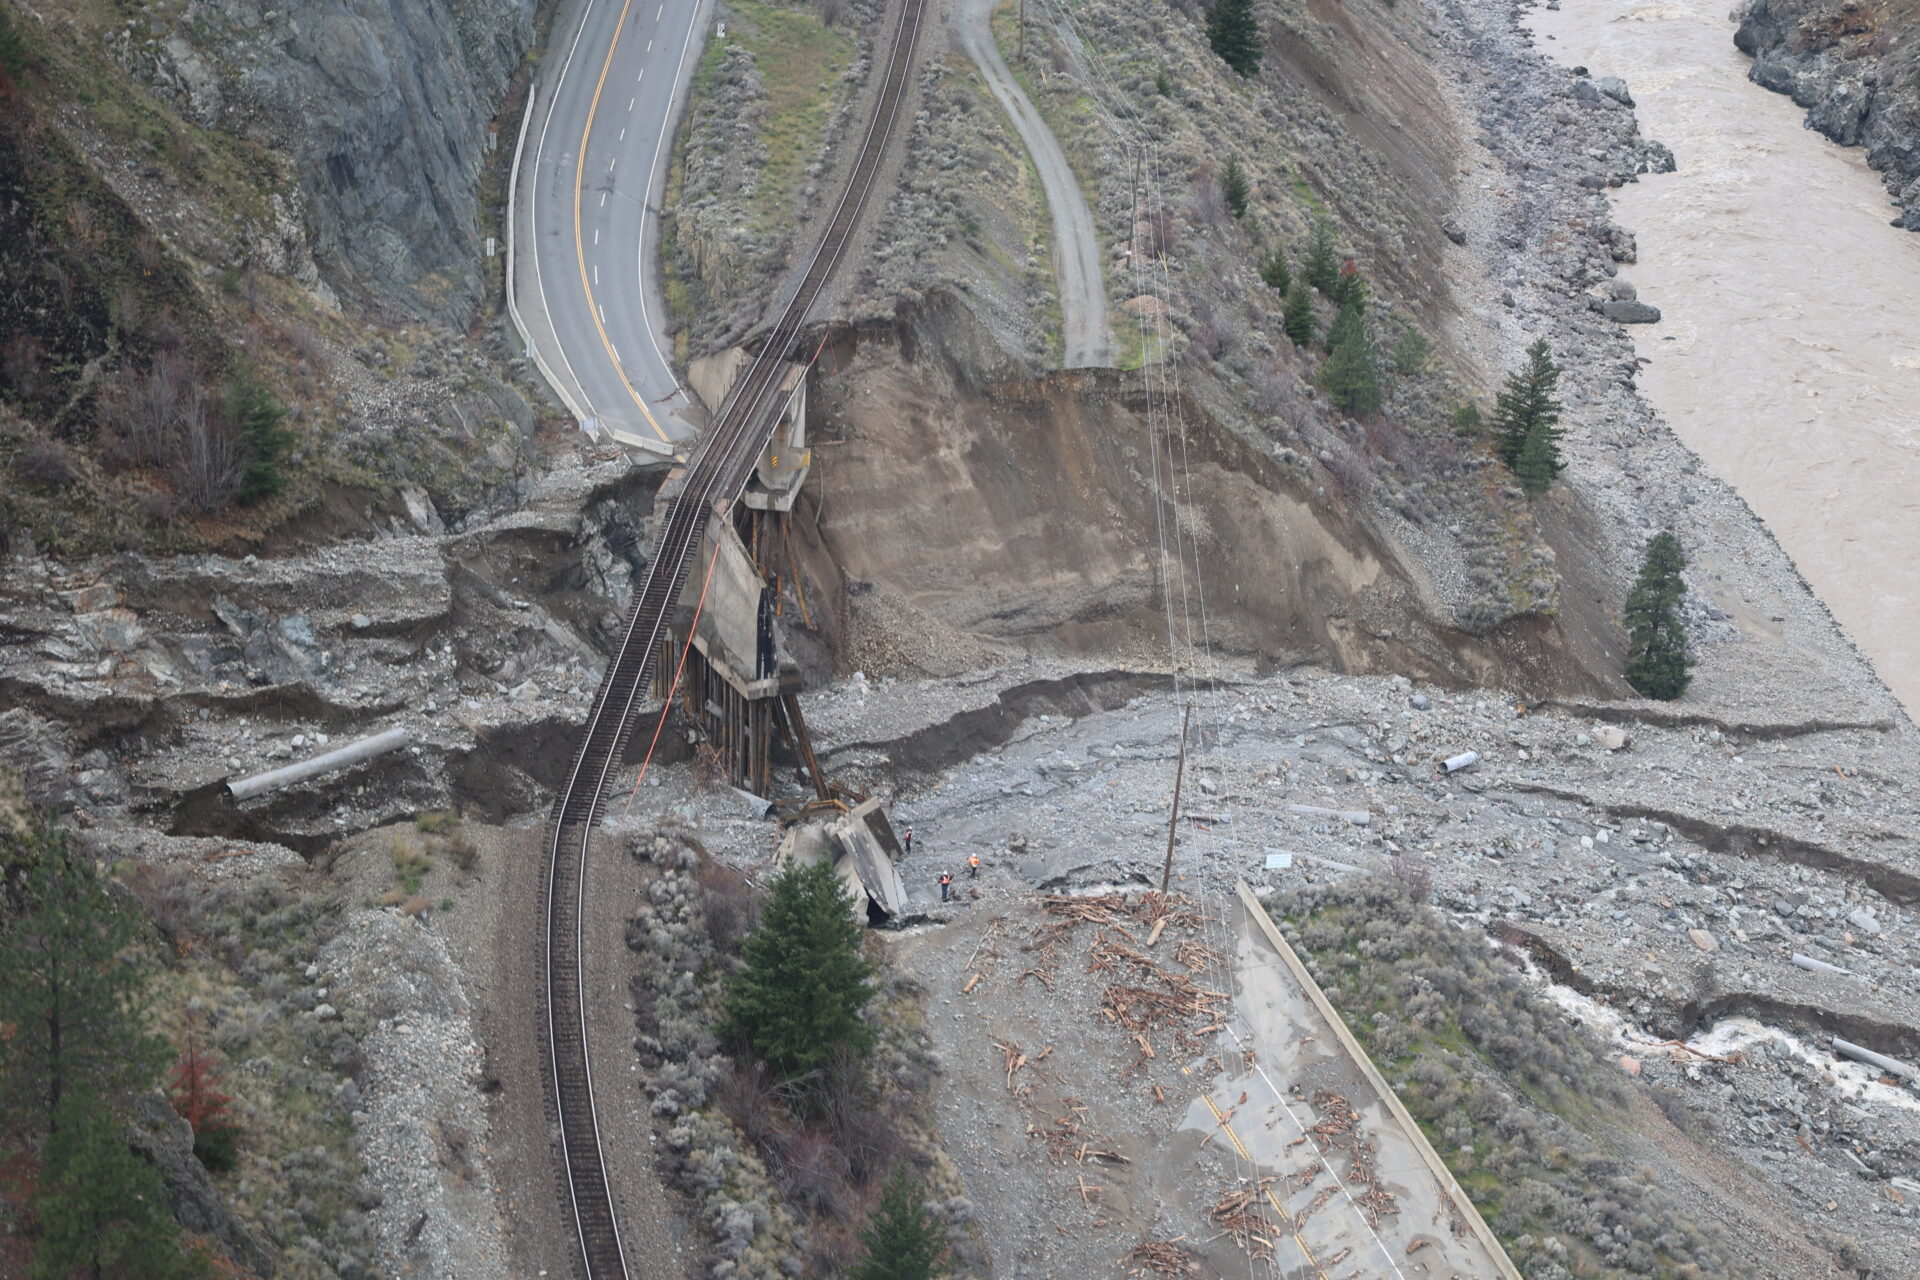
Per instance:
x=1855, y=66
x=382, y=113
x=240, y=253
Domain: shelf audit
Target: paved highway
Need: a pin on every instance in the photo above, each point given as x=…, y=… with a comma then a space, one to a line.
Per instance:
x=584, y=232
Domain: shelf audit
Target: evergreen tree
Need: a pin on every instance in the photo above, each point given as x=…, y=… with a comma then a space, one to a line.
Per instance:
x=1657, y=659
x=1234, y=33
x=1466, y=421
x=1275, y=274
x=903, y=1240
x=74, y=1008
x=1235, y=187
x=799, y=997
x=1526, y=404
x=1539, y=461
x=256, y=420
x=13, y=55
x=103, y=1209
x=1323, y=264
x=1299, y=319
x=197, y=1096
x=1352, y=372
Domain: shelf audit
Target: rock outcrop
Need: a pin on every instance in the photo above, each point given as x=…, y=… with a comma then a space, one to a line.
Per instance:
x=1857, y=73
x=167, y=1140
x=384, y=110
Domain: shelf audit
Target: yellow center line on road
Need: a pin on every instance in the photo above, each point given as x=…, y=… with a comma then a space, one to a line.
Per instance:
x=579, y=248
x=1286, y=1219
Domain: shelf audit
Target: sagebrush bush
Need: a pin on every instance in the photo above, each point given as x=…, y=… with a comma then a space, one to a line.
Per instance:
x=1521, y=1102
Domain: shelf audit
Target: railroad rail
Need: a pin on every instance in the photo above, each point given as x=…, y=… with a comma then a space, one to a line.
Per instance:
x=714, y=479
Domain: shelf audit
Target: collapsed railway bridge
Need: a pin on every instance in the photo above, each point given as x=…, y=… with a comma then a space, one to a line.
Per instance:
x=705, y=494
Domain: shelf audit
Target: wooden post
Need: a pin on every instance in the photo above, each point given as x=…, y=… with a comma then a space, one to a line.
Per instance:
x=791, y=705
x=1173, y=823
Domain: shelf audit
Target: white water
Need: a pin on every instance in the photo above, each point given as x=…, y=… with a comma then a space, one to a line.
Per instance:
x=1789, y=356
x=1850, y=1081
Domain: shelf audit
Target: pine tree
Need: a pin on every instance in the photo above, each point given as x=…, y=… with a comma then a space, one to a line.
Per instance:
x=1298, y=319
x=799, y=997
x=903, y=1240
x=198, y=1098
x=1657, y=659
x=254, y=418
x=1274, y=273
x=13, y=56
x=73, y=1007
x=1234, y=33
x=1323, y=264
x=1466, y=421
x=1235, y=187
x=1526, y=404
x=1539, y=461
x=103, y=1209
x=1352, y=373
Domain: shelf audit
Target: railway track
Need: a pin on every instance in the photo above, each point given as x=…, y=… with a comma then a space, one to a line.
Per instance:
x=715, y=477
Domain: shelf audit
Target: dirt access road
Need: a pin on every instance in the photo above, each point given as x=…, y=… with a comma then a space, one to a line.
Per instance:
x=1076, y=249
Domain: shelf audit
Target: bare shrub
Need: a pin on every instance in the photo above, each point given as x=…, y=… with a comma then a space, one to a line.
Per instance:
x=175, y=899
x=731, y=906
x=1156, y=234
x=1413, y=877
x=812, y=1172
x=461, y=849
x=1206, y=200
x=864, y=1129
x=749, y=1097
x=47, y=463
x=143, y=414
x=1350, y=473
x=831, y=11
x=709, y=766
x=208, y=465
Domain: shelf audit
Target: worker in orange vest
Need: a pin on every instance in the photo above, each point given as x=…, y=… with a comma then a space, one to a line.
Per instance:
x=973, y=866
x=946, y=884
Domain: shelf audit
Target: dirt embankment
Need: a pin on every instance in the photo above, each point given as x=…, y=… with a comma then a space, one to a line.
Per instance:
x=1855, y=67
x=969, y=511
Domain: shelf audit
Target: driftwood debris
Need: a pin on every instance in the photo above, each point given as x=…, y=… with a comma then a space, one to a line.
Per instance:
x=1162, y=1258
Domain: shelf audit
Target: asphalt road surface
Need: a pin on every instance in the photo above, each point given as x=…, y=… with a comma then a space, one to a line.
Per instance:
x=1076, y=251
x=585, y=229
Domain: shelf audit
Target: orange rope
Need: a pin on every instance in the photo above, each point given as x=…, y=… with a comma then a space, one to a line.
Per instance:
x=678, y=670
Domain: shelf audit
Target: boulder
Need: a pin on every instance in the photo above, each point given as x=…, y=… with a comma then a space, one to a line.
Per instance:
x=1616, y=88
x=1629, y=311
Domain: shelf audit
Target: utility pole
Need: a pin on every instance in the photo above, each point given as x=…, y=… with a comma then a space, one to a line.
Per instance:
x=1023, y=32
x=1173, y=823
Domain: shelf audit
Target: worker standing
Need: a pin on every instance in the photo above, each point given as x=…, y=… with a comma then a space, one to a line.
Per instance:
x=909, y=841
x=946, y=885
x=973, y=866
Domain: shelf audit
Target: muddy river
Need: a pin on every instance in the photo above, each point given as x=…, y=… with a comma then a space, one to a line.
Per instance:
x=1789, y=356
